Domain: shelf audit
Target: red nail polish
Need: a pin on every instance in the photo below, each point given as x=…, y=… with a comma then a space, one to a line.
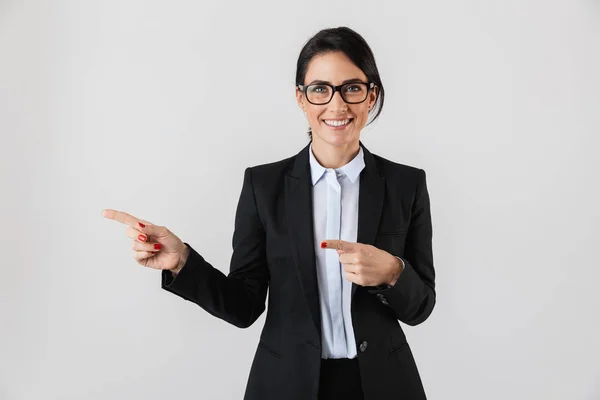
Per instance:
x=142, y=238
x=142, y=225
x=157, y=246
x=323, y=245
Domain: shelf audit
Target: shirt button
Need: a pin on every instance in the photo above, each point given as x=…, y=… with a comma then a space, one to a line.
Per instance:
x=363, y=346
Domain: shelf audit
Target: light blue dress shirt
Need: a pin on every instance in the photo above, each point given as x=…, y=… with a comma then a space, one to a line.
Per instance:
x=336, y=342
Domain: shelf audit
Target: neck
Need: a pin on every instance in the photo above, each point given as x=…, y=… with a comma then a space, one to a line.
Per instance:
x=331, y=156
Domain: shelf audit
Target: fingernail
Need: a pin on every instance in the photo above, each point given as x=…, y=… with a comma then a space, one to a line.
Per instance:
x=157, y=246
x=323, y=245
x=141, y=225
x=142, y=238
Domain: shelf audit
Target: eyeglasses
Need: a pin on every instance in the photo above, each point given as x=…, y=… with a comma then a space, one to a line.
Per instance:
x=322, y=93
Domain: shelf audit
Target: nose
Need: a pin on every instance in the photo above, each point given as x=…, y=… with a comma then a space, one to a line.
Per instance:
x=337, y=102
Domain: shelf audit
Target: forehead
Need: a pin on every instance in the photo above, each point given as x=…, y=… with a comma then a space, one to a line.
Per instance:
x=334, y=67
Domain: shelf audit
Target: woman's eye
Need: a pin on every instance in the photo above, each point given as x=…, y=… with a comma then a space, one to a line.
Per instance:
x=319, y=89
x=352, y=88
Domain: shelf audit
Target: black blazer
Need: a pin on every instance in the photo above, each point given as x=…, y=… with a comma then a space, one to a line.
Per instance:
x=273, y=247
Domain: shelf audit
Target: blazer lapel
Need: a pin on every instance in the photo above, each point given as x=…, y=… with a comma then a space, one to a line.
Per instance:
x=299, y=211
x=370, y=202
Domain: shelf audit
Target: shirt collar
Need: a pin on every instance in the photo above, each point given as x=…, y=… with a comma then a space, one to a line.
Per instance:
x=352, y=170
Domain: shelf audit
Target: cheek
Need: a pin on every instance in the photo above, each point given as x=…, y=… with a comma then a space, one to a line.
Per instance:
x=313, y=114
x=313, y=117
x=362, y=114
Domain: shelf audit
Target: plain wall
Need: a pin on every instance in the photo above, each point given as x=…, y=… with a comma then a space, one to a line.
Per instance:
x=156, y=108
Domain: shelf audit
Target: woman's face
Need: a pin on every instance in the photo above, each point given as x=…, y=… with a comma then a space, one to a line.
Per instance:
x=335, y=68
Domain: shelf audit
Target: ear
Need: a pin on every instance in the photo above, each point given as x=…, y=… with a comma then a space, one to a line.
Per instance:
x=300, y=98
x=373, y=96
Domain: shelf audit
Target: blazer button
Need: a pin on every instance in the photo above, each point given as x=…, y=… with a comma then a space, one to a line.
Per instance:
x=363, y=346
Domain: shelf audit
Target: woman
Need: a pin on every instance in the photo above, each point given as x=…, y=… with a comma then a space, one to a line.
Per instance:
x=341, y=238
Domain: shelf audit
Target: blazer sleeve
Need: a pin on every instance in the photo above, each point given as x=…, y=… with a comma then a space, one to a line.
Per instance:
x=413, y=295
x=239, y=297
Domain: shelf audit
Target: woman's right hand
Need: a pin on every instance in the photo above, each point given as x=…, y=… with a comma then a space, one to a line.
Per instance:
x=153, y=246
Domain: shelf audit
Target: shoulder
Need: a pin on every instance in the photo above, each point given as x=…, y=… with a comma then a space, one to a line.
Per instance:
x=384, y=163
x=269, y=175
x=398, y=171
x=274, y=166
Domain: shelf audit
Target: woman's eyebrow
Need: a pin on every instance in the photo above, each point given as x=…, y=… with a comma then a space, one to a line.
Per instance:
x=353, y=80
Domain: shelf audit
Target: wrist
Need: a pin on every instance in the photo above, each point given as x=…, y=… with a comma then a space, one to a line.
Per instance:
x=399, y=267
x=182, y=259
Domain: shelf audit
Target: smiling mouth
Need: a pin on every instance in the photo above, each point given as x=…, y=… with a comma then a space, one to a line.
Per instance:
x=338, y=123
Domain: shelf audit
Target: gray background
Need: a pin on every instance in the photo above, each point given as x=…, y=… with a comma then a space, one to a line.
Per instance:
x=155, y=108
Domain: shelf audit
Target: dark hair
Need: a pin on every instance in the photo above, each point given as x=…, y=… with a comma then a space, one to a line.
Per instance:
x=353, y=46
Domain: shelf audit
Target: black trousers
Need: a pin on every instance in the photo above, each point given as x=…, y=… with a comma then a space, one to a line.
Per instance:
x=340, y=379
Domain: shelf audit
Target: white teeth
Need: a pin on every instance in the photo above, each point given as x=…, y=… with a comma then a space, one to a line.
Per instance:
x=336, y=123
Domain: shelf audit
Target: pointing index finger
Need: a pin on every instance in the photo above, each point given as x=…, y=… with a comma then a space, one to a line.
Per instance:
x=338, y=245
x=121, y=217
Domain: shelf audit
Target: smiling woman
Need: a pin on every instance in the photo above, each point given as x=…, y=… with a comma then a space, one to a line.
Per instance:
x=339, y=236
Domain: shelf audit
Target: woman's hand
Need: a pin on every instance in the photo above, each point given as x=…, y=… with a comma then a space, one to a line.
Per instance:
x=153, y=246
x=366, y=265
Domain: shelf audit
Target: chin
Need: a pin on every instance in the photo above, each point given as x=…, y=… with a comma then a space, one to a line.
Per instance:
x=337, y=138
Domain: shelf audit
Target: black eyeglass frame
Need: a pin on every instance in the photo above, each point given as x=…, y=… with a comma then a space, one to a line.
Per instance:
x=370, y=86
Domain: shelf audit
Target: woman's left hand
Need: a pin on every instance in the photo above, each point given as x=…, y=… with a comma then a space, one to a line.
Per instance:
x=366, y=265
